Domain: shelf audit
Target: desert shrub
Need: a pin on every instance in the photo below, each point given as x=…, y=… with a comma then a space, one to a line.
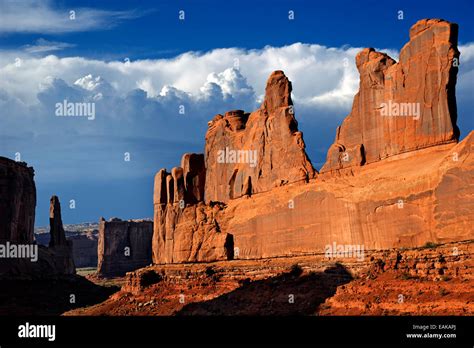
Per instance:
x=430, y=245
x=149, y=278
x=443, y=292
x=296, y=270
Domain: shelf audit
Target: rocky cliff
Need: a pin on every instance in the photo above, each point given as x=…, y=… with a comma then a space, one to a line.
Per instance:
x=21, y=257
x=17, y=201
x=245, y=154
x=402, y=106
x=407, y=180
x=416, y=198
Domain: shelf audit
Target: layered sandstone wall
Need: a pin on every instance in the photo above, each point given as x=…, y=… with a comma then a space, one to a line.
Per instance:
x=417, y=198
x=123, y=246
x=402, y=106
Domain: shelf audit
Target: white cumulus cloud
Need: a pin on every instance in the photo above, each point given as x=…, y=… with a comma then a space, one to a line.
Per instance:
x=141, y=103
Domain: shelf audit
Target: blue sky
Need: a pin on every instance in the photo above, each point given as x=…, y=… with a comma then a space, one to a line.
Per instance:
x=152, y=31
x=45, y=58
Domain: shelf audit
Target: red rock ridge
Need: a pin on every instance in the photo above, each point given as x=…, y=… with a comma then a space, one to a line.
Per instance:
x=419, y=193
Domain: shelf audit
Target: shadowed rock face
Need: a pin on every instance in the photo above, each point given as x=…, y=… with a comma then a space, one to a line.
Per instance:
x=194, y=173
x=123, y=246
x=17, y=202
x=56, y=230
x=85, y=249
x=17, y=216
x=252, y=153
x=402, y=106
x=61, y=247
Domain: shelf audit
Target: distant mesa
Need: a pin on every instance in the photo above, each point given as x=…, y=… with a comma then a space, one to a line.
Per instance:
x=123, y=246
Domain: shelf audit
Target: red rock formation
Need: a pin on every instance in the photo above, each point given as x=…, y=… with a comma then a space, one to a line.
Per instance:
x=185, y=229
x=123, y=246
x=419, y=197
x=61, y=247
x=17, y=202
x=419, y=193
x=245, y=154
x=17, y=216
x=190, y=234
x=194, y=176
x=421, y=86
x=252, y=153
x=433, y=281
x=56, y=230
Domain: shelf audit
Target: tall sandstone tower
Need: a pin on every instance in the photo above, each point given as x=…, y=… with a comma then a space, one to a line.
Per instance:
x=270, y=133
x=423, y=80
